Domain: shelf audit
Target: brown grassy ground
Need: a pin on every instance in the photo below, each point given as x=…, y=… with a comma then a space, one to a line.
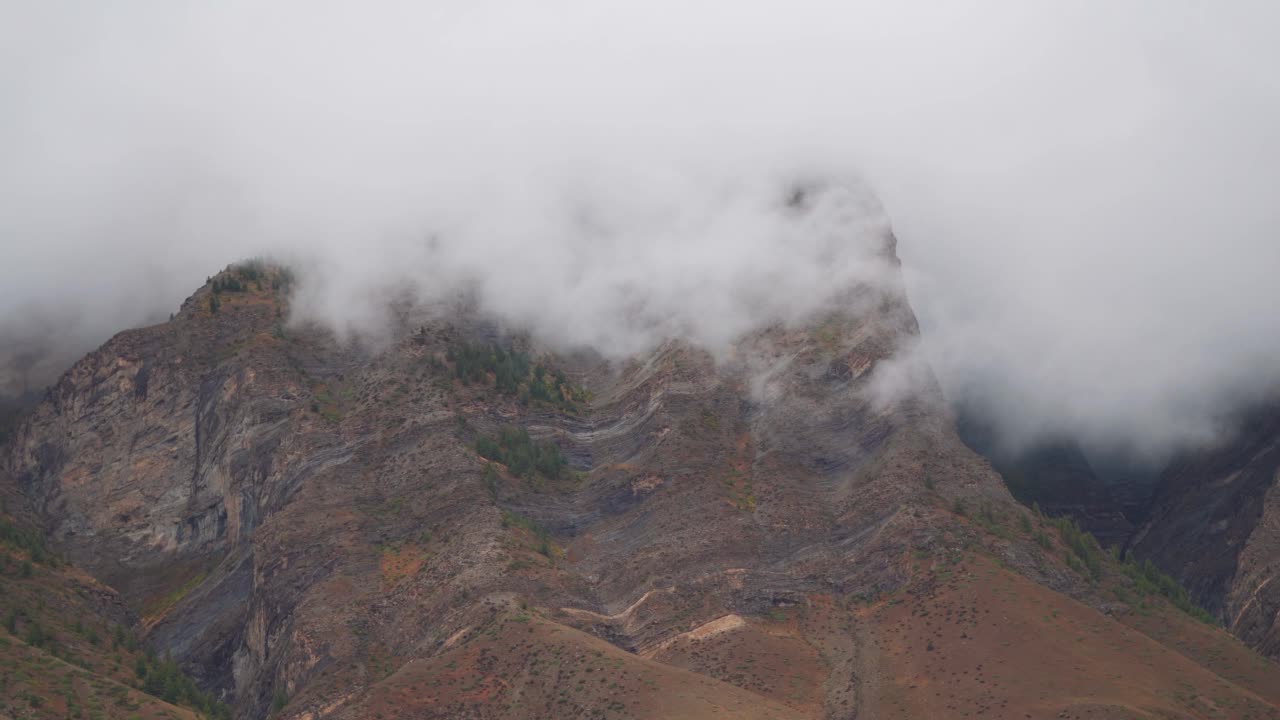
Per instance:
x=524, y=666
x=982, y=641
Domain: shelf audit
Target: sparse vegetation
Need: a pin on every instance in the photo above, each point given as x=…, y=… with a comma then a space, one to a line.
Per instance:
x=514, y=374
x=1149, y=580
x=56, y=643
x=238, y=277
x=165, y=680
x=491, y=480
x=279, y=700
x=1083, y=547
x=162, y=604
x=1085, y=555
x=227, y=284
x=256, y=274
x=29, y=541
x=328, y=400
x=990, y=520
x=540, y=533
x=522, y=456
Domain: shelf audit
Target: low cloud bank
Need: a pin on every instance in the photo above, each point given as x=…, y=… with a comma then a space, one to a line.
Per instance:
x=1083, y=193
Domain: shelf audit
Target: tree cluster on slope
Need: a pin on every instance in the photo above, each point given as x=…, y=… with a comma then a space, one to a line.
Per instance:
x=163, y=678
x=28, y=540
x=1085, y=555
x=523, y=457
x=514, y=374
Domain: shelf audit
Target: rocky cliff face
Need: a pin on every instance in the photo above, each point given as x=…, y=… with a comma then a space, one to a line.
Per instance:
x=1215, y=525
x=460, y=524
x=155, y=458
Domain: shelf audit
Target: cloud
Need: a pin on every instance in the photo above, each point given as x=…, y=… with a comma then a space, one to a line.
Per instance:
x=1083, y=192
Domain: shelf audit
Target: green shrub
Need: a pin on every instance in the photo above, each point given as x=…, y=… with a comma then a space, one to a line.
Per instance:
x=279, y=700
x=36, y=635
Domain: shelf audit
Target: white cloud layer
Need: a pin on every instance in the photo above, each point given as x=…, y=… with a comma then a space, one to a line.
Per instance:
x=1084, y=192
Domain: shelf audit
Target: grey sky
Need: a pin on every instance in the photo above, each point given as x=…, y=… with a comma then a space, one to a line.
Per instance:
x=1084, y=192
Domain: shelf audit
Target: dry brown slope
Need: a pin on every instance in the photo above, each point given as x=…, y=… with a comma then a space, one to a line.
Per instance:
x=981, y=640
x=520, y=665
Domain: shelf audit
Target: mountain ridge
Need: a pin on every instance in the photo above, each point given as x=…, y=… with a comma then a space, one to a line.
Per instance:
x=304, y=524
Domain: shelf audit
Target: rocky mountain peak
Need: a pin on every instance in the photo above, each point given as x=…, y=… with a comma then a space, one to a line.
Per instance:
x=327, y=529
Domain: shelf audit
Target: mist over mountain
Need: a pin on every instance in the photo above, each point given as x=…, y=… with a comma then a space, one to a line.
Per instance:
x=644, y=360
x=1083, y=196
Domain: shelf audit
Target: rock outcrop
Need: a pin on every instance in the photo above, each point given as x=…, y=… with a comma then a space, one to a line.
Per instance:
x=1215, y=526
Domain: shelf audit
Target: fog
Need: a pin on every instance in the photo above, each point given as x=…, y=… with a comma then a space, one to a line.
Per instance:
x=1083, y=193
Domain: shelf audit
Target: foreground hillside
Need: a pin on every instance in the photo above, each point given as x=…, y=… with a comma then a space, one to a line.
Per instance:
x=68, y=648
x=460, y=524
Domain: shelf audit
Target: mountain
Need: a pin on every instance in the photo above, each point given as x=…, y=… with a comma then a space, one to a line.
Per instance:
x=460, y=523
x=1215, y=526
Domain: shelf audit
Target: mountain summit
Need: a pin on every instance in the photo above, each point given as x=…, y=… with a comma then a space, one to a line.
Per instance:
x=463, y=523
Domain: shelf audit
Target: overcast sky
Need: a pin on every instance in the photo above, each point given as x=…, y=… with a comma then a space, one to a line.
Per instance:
x=1084, y=192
